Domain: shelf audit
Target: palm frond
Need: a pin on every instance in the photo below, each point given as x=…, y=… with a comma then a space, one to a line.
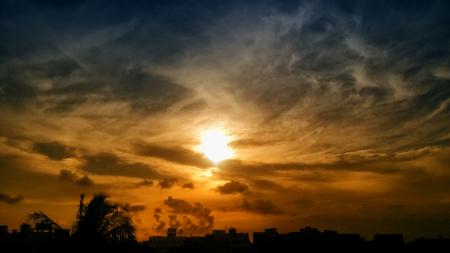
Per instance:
x=104, y=221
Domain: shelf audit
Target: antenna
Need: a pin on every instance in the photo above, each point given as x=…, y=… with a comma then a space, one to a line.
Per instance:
x=80, y=209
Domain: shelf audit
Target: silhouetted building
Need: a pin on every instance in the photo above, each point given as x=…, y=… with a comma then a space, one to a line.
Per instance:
x=42, y=239
x=217, y=241
x=221, y=241
x=387, y=242
x=163, y=243
x=266, y=241
x=62, y=234
x=218, y=233
x=3, y=231
x=429, y=245
x=307, y=239
x=172, y=232
x=43, y=227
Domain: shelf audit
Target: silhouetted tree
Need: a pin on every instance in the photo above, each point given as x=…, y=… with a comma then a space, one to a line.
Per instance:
x=102, y=222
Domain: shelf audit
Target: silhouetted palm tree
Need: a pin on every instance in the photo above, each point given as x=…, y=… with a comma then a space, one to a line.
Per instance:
x=103, y=222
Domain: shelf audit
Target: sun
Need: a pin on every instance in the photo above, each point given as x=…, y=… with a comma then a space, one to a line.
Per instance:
x=214, y=145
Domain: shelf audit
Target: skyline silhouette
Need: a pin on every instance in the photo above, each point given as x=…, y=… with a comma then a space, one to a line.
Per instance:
x=105, y=226
x=101, y=221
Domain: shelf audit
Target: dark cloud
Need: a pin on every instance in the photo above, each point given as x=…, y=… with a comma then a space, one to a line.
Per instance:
x=54, y=68
x=188, y=185
x=145, y=182
x=54, y=150
x=148, y=92
x=173, y=221
x=167, y=183
x=142, y=91
x=260, y=206
x=160, y=227
x=232, y=187
x=15, y=92
x=157, y=212
x=84, y=181
x=9, y=199
x=264, y=184
x=110, y=164
x=26, y=68
x=174, y=154
x=304, y=203
x=45, y=60
x=67, y=175
x=135, y=208
x=196, y=210
x=346, y=163
x=16, y=176
x=66, y=104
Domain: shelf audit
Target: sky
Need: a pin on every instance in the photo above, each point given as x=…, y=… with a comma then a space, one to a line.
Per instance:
x=334, y=114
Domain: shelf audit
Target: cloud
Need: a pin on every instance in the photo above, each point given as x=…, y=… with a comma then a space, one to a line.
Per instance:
x=160, y=227
x=61, y=75
x=264, y=184
x=188, y=185
x=251, y=143
x=135, y=208
x=260, y=206
x=167, y=182
x=173, y=221
x=54, y=150
x=174, y=154
x=9, y=199
x=54, y=68
x=304, y=203
x=232, y=187
x=145, y=182
x=157, y=213
x=345, y=163
x=84, y=181
x=362, y=86
x=141, y=90
x=110, y=164
x=67, y=175
x=161, y=224
x=333, y=92
x=205, y=220
x=15, y=176
x=148, y=92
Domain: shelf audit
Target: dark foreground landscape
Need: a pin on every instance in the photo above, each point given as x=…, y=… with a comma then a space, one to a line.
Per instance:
x=102, y=226
x=305, y=240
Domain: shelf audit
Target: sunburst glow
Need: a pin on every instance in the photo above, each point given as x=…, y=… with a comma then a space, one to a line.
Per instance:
x=214, y=145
